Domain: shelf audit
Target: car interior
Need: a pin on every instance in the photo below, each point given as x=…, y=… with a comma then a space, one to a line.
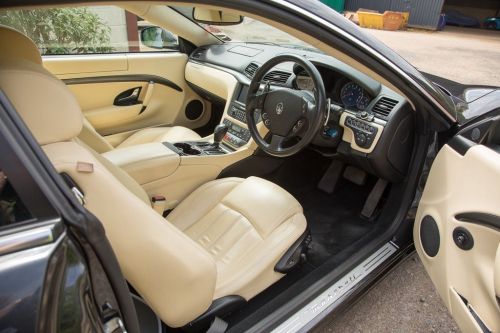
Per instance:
x=228, y=176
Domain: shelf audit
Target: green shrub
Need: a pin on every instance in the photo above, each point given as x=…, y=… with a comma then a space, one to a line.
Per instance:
x=62, y=30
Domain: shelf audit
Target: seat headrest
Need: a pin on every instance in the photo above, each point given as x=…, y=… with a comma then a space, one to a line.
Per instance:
x=44, y=102
x=15, y=45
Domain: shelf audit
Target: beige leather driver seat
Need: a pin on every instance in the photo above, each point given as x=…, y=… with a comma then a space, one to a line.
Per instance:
x=224, y=240
x=16, y=45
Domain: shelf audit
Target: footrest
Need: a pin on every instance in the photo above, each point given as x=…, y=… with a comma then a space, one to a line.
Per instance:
x=374, y=197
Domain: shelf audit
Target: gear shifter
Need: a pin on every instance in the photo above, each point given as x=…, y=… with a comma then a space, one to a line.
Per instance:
x=219, y=133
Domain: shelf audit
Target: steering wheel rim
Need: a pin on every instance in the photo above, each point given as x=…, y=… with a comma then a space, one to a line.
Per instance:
x=305, y=117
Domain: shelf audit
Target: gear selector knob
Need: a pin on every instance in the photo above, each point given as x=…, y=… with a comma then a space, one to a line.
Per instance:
x=219, y=133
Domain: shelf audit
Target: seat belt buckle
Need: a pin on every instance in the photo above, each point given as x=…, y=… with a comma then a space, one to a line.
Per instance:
x=159, y=203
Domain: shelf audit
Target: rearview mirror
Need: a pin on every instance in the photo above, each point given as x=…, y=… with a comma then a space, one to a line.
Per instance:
x=158, y=38
x=215, y=17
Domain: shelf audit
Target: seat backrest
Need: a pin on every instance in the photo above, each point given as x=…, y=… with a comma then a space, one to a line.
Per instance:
x=15, y=45
x=173, y=274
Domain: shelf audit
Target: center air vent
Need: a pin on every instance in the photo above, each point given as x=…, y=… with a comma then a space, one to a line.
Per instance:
x=198, y=53
x=278, y=77
x=251, y=69
x=384, y=106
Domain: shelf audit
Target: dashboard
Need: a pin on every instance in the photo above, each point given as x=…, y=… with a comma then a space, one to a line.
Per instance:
x=369, y=125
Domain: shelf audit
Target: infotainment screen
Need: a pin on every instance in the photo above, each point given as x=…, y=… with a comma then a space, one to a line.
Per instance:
x=242, y=96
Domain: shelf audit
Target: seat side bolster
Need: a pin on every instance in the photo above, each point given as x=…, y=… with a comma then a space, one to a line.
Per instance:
x=93, y=139
x=174, y=275
x=255, y=271
x=263, y=203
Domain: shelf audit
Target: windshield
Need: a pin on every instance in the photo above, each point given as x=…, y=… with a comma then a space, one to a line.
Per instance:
x=253, y=31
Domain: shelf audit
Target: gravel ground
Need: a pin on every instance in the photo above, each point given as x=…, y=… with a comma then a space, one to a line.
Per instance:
x=405, y=301
x=469, y=56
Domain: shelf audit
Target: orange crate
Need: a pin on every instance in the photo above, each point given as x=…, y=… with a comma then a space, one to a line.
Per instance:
x=392, y=20
x=406, y=17
x=371, y=20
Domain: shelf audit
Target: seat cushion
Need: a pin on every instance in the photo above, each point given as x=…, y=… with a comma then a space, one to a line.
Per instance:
x=246, y=225
x=160, y=134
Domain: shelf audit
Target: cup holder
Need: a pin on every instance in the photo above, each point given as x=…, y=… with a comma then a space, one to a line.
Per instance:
x=186, y=148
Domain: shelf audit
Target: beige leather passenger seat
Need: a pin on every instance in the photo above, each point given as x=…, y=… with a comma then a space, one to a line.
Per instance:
x=224, y=239
x=14, y=43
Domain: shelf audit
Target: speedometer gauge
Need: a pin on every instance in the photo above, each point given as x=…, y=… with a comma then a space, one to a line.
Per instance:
x=363, y=101
x=350, y=93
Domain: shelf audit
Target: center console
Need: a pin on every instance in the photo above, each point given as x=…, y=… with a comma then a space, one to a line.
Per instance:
x=238, y=135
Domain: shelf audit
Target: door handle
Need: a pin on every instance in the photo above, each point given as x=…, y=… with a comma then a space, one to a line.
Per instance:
x=128, y=97
x=147, y=96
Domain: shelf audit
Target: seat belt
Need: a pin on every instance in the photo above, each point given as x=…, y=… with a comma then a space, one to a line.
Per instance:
x=159, y=203
x=73, y=186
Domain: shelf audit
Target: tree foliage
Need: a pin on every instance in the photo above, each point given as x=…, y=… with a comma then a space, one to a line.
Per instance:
x=61, y=30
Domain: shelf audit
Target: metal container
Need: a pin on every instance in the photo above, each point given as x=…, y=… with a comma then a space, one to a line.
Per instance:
x=423, y=13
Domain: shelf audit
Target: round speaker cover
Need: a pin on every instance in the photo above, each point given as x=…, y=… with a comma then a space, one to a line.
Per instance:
x=194, y=109
x=429, y=235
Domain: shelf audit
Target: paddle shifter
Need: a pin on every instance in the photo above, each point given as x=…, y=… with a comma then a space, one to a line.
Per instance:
x=219, y=133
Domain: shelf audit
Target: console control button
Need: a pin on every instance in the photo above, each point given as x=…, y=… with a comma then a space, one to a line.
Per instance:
x=364, y=132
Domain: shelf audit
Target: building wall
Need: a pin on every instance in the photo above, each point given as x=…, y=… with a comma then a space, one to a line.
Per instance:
x=423, y=13
x=114, y=17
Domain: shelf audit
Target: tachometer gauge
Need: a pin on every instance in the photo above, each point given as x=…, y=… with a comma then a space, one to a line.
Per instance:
x=350, y=93
x=304, y=82
x=363, y=101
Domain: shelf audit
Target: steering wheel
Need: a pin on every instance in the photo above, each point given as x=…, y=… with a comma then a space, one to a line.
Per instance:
x=287, y=113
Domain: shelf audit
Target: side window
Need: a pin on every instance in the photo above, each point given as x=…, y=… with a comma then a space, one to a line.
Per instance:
x=12, y=209
x=89, y=30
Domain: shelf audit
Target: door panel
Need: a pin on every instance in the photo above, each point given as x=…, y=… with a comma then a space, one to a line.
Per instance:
x=458, y=247
x=97, y=80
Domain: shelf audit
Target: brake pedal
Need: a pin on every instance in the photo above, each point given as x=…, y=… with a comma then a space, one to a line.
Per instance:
x=355, y=175
x=374, y=197
x=330, y=178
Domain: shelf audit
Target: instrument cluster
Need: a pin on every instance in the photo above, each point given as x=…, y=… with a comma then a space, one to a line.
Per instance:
x=339, y=88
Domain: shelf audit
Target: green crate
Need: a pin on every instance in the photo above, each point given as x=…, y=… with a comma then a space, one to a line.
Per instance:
x=338, y=5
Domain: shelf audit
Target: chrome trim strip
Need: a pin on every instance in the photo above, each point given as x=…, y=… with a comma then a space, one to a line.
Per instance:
x=335, y=293
x=26, y=239
x=375, y=53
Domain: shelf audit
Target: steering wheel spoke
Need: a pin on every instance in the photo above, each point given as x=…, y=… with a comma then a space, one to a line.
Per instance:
x=276, y=142
x=310, y=112
x=257, y=100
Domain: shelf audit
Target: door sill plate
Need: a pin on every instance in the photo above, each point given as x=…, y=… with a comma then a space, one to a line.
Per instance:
x=335, y=292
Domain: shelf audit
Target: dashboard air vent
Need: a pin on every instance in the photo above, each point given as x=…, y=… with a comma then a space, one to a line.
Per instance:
x=251, y=69
x=198, y=53
x=277, y=77
x=384, y=106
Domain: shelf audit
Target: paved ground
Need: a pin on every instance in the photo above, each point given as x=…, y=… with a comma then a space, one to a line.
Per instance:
x=469, y=56
x=405, y=301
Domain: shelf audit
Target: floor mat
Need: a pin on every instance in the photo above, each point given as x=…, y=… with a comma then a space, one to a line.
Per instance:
x=337, y=229
x=333, y=219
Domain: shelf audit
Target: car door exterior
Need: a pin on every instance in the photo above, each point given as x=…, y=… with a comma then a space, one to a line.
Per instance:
x=457, y=226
